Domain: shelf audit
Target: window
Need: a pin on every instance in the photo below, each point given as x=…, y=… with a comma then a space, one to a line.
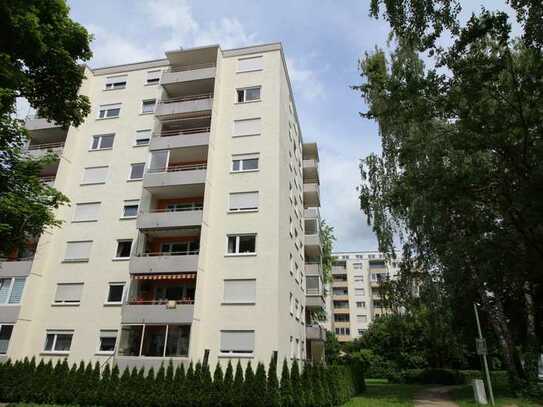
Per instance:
x=148, y=106
x=11, y=290
x=343, y=331
x=239, y=291
x=362, y=318
x=297, y=308
x=291, y=347
x=358, y=279
x=116, y=82
x=247, y=127
x=360, y=304
x=243, y=201
x=102, y=142
x=362, y=331
x=130, y=209
x=245, y=163
x=359, y=291
x=115, y=293
x=143, y=137
x=78, y=251
x=58, y=341
x=68, y=293
x=341, y=318
x=185, y=206
x=242, y=244
x=357, y=266
x=187, y=247
x=124, y=248
x=109, y=111
x=107, y=341
x=291, y=304
x=250, y=64
x=136, y=171
x=5, y=336
x=248, y=94
x=94, y=175
x=237, y=342
x=153, y=77
x=86, y=212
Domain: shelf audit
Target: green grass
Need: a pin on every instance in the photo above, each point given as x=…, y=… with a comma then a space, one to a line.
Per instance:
x=464, y=397
x=380, y=393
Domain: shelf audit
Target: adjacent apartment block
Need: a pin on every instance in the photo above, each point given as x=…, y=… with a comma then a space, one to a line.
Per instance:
x=194, y=210
x=355, y=298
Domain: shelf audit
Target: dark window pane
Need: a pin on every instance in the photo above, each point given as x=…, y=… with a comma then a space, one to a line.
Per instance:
x=107, y=344
x=235, y=165
x=252, y=94
x=153, y=340
x=123, y=248
x=130, y=210
x=49, y=339
x=241, y=96
x=247, y=244
x=231, y=244
x=64, y=342
x=107, y=141
x=178, y=340
x=113, y=112
x=137, y=171
x=95, y=141
x=130, y=340
x=251, y=164
x=115, y=293
x=5, y=336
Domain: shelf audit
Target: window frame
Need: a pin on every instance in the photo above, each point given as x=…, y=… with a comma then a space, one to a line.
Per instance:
x=242, y=158
x=75, y=220
x=244, y=90
x=119, y=241
x=237, y=353
x=12, y=325
x=113, y=87
x=104, y=108
x=67, y=303
x=77, y=260
x=237, y=237
x=10, y=291
x=125, y=204
x=99, y=351
x=145, y=102
x=241, y=210
x=123, y=294
x=83, y=183
x=149, y=131
x=56, y=333
x=235, y=135
x=251, y=301
x=131, y=169
x=100, y=141
x=155, y=81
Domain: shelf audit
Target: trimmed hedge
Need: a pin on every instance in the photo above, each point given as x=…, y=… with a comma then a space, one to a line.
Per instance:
x=88, y=385
x=444, y=376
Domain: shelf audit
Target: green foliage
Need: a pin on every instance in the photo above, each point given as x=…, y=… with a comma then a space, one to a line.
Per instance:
x=259, y=387
x=332, y=347
x=218, y=388
x=460, y=173
x=40, y=62
x=327, y=241
x=274, y=397
x=237, y=388
x=248, y=386
x=430, y=376
x=287, y=399
x=228, y=399
x=298, y=396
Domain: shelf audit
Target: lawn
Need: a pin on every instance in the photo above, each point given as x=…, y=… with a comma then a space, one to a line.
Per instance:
x=382, y=394
x=464, y=397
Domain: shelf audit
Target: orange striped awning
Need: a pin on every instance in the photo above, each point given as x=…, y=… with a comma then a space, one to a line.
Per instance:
x=184, y=276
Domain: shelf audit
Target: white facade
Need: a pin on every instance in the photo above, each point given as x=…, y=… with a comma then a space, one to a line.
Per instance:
x=190, y=190
x=354, y=296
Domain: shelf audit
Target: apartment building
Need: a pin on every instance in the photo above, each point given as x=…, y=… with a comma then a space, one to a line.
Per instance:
x=355, y=298
x=193, y=228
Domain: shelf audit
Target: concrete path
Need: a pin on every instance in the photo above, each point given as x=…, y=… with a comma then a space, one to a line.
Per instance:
x=435, y=397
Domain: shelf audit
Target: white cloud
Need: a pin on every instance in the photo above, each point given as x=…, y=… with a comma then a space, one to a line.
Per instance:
x=110, y=48
x=185, y=31
x=305, y=81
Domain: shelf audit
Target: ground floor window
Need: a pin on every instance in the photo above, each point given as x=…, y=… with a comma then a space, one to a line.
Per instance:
x=155, y=340
x=5, y=336
x=58, y=341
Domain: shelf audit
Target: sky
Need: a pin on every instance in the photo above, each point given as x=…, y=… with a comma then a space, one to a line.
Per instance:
x=322, y=40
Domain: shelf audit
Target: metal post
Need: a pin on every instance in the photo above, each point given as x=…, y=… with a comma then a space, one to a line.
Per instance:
x=485, y=362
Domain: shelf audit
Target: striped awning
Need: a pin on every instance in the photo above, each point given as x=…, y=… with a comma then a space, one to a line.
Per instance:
x=184, y=276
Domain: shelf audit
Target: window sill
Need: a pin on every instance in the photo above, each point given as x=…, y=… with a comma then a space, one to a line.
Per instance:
x=241, y=172
x=147, y=113
x=109, y=90
x=11, y=305
x=238, y=303
x=53, y=353
x=120, y=259
x=107, y=118
x=245, y=135
x=128, y=217
x=240, y=255
x=112, y=304
x=236, y=355
x=85, y=221
x=243, y=211
x=141, y=145
x=92, y=183
x=152, y=84
x=99, y=149
x=134, y=180
x=75, y=261
x=103, y=353
x=65, y=304
x=251, y=70
x=249, y=101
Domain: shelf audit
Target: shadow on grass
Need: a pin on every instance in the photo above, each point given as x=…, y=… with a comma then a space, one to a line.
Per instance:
x=380, y=393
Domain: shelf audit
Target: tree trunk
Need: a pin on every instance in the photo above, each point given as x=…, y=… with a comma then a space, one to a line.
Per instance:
x=531, y=355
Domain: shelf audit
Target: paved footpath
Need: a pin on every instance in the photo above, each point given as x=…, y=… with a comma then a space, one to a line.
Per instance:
x=435, y=397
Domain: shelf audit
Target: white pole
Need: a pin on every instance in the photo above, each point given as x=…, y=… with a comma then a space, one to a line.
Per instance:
x=485, y=362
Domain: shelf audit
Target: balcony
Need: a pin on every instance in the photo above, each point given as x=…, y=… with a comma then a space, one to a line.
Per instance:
x=162, y=262
x=169, y=218
x=178, y=77
x=180, y=138
x=315, y=333
x=183, y=106
x=311, y=194
x=174, y=176
x=310, y=169
x=16, y=267
x=310, y=151
x=339, y=283
x=313, y=269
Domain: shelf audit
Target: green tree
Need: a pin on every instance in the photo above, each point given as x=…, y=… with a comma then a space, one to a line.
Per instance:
x=218, y=388
x=237, y=388
x=40, y=58
x=259, y=388
x=332, y=347
x=327, y=241
x=460, y=173
x=274, y=397
x=228, y=386
x=287, y=399
x=179, y=385
x=297, y=387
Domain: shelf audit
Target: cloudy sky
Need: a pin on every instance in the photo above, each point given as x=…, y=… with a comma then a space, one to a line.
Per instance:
x=322, y=40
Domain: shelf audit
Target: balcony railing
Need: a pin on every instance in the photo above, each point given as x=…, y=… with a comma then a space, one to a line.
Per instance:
x=182, y=68
x=159, y=302
x=188, y=209
x=157, y=254
x=49, y=178
x=187, y=98
x=180, y=132
x=175, y=168
x=46, y=146
x=313, y=291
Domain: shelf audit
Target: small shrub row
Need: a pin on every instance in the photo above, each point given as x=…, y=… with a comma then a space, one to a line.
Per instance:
x=428, y=376
x=88, y=385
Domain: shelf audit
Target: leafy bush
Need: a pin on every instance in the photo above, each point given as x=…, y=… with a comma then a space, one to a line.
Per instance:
x=429, y=376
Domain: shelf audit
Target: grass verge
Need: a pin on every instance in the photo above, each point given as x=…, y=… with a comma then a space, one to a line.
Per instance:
x=464, y=397
x=380, y=393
